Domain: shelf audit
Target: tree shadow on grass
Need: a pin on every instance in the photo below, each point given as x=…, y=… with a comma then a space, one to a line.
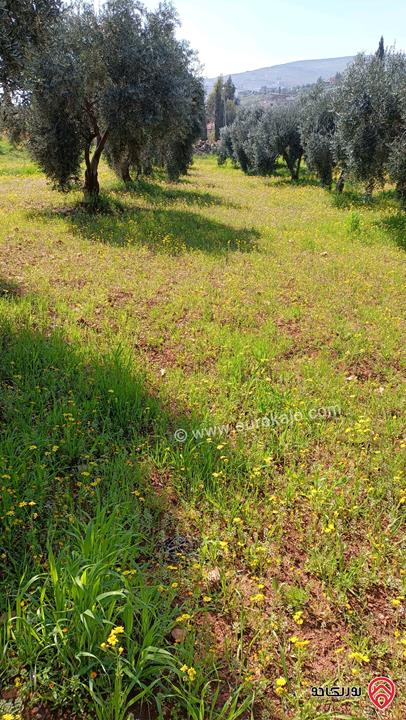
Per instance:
x=161, y=230
x=281, y=177
x=59, y=412
x=356, y=198
x=80, y=437
x=158, y=194
x=395, y=227
x=286, y=181
x=80, y=430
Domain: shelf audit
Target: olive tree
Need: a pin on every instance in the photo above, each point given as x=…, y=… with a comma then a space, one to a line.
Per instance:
x=278, y=134
x=243, y=132
x=258, y=137
x=188, y=120
x=24, y=26
x=397, y=149
x=118, y=81
x=225, y=149
x=397, y=164
x=367, y=111
x=168, y=116
x=70, y=86
x=317, y=130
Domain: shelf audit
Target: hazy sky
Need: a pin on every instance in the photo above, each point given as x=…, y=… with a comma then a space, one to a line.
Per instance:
x=237, y=35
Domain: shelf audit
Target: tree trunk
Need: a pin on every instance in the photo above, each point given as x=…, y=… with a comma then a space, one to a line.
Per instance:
x=401, y=191
x=296, y=172
x=293, y=169
x=340, y=182
x=125, y=171
x=327, y=178
x=91, y=187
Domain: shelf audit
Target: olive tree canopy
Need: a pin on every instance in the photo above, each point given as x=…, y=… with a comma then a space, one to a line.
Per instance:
x=117, y=80
x=317, y=130
x=368, y=116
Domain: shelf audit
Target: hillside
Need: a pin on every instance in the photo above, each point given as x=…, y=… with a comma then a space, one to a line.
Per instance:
x=301, y=72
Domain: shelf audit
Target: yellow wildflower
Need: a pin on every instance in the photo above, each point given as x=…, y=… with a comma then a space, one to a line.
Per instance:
x=112, y=639
x=258, y=598
x=280, y=682
x=359, y=657
x=297, y=642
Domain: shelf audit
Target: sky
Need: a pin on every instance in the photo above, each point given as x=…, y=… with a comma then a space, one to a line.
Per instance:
x=236, y=35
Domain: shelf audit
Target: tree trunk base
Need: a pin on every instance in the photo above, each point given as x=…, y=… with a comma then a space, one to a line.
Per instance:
x=340, y=183
x=91, y=186
x=125, y=172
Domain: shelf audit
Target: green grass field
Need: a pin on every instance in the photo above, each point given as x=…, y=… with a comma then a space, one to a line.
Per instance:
x=202, y=448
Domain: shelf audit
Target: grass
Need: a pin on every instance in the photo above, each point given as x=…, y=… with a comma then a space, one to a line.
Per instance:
x=260, y=551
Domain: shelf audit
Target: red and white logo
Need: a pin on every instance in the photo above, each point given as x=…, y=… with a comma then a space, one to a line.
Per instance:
x=381, y=691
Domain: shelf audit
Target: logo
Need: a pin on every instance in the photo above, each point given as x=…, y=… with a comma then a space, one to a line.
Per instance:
x=381, y=691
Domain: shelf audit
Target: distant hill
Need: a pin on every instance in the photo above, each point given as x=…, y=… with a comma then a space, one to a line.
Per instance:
x=302, y=72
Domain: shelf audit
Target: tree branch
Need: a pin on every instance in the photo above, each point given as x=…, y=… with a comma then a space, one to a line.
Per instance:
x=93, y=120
x=99, y=149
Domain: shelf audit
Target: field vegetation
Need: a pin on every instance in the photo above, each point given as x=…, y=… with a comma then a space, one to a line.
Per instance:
x=166, y=551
